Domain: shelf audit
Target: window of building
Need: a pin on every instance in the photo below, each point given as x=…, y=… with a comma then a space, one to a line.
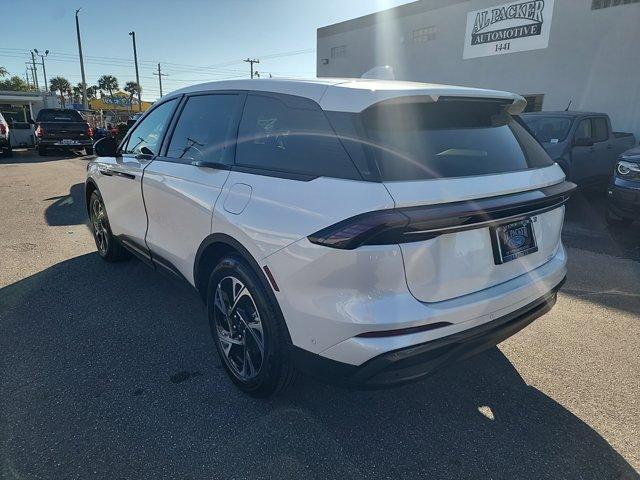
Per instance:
x=290, y=134
x=339, y=52
x=598, y=4
x=422, y=35
x=534, y=102
x=203, y=129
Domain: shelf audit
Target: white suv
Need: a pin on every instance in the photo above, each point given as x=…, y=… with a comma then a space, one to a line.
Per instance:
x=366, y=232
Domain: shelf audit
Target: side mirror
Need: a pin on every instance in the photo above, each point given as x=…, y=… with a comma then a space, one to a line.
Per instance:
x=106, y=147
x=146, y=151
x=583, y=142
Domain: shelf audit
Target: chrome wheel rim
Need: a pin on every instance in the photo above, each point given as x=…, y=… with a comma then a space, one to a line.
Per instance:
x=238, y=328
x=100, y=232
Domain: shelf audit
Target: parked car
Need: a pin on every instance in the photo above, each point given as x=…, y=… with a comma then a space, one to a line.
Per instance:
x=366, y=232
x=582, y=143
x=5, y=141
x=623, y=206
x=58, y=128
x=22, y=135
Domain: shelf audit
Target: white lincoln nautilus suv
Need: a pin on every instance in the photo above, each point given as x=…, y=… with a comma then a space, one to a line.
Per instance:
x=366, y=232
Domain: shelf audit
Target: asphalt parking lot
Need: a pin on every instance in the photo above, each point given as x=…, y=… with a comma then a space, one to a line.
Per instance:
x=108, y=371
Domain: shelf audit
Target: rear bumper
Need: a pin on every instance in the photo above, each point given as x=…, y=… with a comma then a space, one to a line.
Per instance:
x=624, y=198
x=412, y=363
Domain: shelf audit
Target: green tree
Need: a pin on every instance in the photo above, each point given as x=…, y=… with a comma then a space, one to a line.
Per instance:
x=76, y=93
x=62, y=85
x=3, y=72
x=108, y=83
x=92, y=91
x=132, y=88
x=15, y=84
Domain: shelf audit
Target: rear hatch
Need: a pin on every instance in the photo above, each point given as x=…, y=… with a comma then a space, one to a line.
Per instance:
x=484, y=200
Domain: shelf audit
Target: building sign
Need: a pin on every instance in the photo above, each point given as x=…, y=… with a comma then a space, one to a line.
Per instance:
x=512, y=27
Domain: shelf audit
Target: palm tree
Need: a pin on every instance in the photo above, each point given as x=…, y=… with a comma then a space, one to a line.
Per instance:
x=77, y=93
x=60, y=84
x=108, y=83
x=91, y=92
x=3, y=72
x=132, y=88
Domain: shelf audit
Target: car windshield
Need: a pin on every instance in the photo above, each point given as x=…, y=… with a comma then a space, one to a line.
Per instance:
x=59, y=116
x=454, y=138
x=548, y=129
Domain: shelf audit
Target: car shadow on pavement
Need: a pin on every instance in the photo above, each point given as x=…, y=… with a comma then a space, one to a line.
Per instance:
x=29, y=156
x=67, y=209
x=108, y=371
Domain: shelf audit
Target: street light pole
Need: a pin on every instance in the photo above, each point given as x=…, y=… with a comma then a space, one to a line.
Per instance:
x=44, y=71
x=135, y=59
x=84, y=81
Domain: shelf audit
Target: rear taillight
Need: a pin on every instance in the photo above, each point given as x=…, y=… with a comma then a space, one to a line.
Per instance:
x=39, y=131
x=3, y=128
x=412, y=224
x=89, y=131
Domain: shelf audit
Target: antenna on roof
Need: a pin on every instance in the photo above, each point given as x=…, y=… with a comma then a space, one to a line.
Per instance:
x=380, y=73
x=567, y=109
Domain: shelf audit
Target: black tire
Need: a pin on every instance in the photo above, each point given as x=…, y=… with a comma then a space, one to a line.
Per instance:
x=276, y=372
x=88, y=151
x=615, y=221
x=9, y=152
x=42, y=151
x=108, y=246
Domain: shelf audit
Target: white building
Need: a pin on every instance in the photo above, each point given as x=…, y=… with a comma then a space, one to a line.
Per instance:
x=553, y=52
x=22, y=106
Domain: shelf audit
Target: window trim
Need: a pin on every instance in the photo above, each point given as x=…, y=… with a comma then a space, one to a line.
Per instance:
x=229, y=154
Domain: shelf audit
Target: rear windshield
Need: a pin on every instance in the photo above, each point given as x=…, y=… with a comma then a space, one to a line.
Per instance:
x=59, y=116
x=548, y=129
x=450, y=138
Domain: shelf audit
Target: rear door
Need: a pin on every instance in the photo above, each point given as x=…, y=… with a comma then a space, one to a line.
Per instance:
x=120, y=180
x=182, y=185
x=458, y=154
x=604, y=157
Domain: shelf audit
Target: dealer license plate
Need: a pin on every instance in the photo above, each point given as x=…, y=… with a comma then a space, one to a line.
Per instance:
x=513, y=240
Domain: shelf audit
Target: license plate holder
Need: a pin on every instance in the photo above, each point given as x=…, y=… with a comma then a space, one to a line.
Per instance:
x=513, y=240
x=68, y=141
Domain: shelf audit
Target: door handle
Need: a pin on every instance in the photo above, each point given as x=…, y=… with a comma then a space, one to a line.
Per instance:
x=110, y=173
x=105, y=172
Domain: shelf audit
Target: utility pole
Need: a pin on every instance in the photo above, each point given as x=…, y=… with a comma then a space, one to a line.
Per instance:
x=26, y=74
x=35, y=72
x=160, y=75
x=252, y=61
x=84, y=80
x=29, y=68
x=135, y=59
x=44, y=71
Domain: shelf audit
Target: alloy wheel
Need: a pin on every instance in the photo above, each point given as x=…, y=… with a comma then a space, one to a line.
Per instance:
x=100, y=232
x=238, y=328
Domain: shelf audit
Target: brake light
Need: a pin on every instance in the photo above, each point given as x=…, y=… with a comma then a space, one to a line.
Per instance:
x=3, y=128
x=412, y=224
x=39, y=131
x=89, y=131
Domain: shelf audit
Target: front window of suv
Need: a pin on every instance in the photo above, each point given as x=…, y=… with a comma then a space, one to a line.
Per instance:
x=416, y=140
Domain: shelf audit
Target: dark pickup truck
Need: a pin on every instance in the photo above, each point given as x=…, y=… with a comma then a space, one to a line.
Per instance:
x=62, y=129
x=582, y=143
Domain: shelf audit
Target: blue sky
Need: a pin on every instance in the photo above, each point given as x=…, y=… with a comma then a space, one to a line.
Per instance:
x=195, y=40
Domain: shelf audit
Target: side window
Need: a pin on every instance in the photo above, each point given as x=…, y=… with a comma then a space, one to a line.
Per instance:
x=291, y=135
x=583, y=130
x=148, y=134
x=600, y=129
x=203, y=130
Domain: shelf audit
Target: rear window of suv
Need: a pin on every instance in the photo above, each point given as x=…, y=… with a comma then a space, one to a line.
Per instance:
x=59, y=116
x=416, y=140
